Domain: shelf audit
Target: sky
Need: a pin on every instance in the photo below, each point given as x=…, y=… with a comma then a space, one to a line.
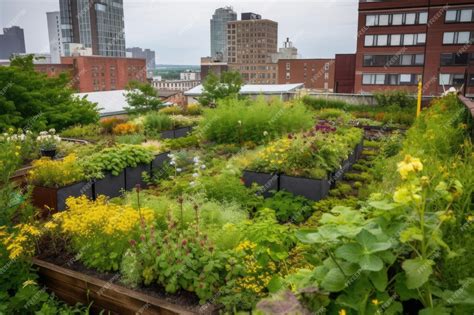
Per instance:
x=179, y=30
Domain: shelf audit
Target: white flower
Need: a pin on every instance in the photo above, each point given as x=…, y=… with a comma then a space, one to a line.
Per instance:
x=52, y=130
x=195, y=175
x=196, y=159
x=172, y=162
x=192, y=183
x=43, y=133
x=265, y=133
x=240, y=122
x=170, y=155
x=178, y=170
x=203, y=167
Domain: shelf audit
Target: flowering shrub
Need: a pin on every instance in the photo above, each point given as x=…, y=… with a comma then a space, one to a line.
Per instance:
x=109, y=123
x=125, y=128
x=56, y=173
x=48, y=140
x=21, y=242
x=99, y=230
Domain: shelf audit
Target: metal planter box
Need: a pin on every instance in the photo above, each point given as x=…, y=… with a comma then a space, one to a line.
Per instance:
x=267, y=181
x=176, y=133
x=167, y=134
x=358, y=149
x=133, y=176
x=55, y=198
x=110, y=186
x=159, y=162
x=314, y=189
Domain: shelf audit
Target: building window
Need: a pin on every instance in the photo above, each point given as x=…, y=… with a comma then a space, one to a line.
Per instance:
x=287, y=75
x=471, y=80
x=457, y=38
x=459, y=16
x=396, y=19
x=451, y=79
x=394, y=60
x=395, y=40
x=456, y=59
x=389, y=79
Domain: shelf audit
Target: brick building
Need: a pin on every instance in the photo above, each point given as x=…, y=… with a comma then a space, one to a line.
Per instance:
x=98, y=73
x=344, y=73
x=400, y=42
x=315, y=74
x=251, y=43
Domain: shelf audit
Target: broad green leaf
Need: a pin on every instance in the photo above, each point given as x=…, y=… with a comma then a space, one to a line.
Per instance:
x=334, y=281
x=370, y=243
x=383, y=205
x=275, y=284
x=371, y=262
x=379, y=279
x=410, y=234
x=351, y=252
x=417, y=271
x=437, y=310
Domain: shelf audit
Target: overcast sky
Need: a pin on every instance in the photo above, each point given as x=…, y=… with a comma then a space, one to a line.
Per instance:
x=178, y=30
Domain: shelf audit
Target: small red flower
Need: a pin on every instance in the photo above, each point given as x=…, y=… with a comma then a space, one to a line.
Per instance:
x=133, y=243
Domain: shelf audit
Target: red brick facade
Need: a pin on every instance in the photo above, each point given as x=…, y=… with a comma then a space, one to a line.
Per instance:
x=316, y=74
x=400, y=42
x=344, y=73
x=97, y=73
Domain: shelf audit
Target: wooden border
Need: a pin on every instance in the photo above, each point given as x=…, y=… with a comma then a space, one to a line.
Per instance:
x=73, y=287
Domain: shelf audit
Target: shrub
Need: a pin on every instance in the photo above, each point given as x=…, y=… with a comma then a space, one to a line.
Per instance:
x=239, y=121
x=91, y=131
x=56, y=173
x=180, y=143
x=100, y=231
x=398, y=98
x=130, y=139
x=319, y=103
x=171, y=110
x=289, y=208
x=193, y=109
x=125, y=129
x=109, y=123
x=156, y=122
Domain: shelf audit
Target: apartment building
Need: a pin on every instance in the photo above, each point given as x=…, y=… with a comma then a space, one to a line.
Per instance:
x=251, y=43
x=315, y=74
x=404, y=41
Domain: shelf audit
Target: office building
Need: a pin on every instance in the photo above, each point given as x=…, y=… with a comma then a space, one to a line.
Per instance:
x=251, y=43
x=190, y=75
x=288, y=51
x=98, y=73
x=12, y=41
x=54, y=33
x=219, y=32
x=315, y=74
x=209, y=65
x=402, y=42
x=98, y=25
x=148, y=54
x=175, y=85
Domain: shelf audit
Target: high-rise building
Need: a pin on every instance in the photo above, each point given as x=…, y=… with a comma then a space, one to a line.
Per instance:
x=147, y=54
x=55, y=37
x=251, y=43
x=402, y=42
x=12, y=42
x=96, y=24
x=219, y=32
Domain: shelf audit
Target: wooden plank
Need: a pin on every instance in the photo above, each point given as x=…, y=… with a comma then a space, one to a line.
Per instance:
x=73, y=287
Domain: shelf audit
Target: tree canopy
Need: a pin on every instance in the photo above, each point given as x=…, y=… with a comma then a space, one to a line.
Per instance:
x=31, y=100
x=142, y=97
x=215, y=87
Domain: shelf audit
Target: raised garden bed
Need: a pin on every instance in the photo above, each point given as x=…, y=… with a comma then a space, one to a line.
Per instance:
x=176, y=133
x=55, y=198
x=133, y=176
x=268, y=181
x=110, y=185
x=314, y=189
x=73, y=286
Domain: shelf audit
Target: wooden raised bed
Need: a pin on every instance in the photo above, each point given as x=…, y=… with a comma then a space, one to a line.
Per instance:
x=73, y=287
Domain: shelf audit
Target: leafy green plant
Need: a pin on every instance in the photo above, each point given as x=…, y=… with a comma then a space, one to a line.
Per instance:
x=156, y=122
x=289, y=208
x=215, y=88
x=395, y=98
x=56, y=173
x=91, y=131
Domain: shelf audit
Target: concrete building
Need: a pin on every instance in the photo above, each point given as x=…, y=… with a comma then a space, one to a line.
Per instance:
x=98, y=73
x=12, y=41
x=219, y=32
x=209, y=65
x=315, y=74
x=55, y=37
x=251, y=42
x=286, y=52
x=75, y=49
x=175, y=85
x=190, y=75
x=97, y=24
x=283, y=92
x=148, y=54
x=401, y=42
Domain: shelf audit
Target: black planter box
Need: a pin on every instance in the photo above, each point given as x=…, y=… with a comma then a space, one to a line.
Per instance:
x=133, y=176
x=110, y=186
x=55, y=198
x=359, y=149
x=267, y=181
x=314, y=189
x=182, y=132
x=167, y=134
x=159, y=163
x=338, y=174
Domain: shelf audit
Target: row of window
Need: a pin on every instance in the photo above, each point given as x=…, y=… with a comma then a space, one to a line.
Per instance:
x=457, y=59
x=394, y=60
x=412, y=79
x=460, y=16
x=458, y=38
x=396, y=19
x=413, y=18
x=395, y=39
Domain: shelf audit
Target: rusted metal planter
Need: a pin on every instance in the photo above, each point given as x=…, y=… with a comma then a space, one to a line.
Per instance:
x=55, y=198
x=73, y=287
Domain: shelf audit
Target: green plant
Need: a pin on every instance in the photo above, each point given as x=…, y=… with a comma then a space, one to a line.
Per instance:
x=395, y=98
x=142, y=97
x=91, y=131
x=180, y=143
x=156, y=122
x=289, y=208
x=215, y=88
x=56, y=173
x=130, y=139
x=240, y=121
x=48, y=140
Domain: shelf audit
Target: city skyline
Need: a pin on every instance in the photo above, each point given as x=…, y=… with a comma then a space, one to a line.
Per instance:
x=179, y=31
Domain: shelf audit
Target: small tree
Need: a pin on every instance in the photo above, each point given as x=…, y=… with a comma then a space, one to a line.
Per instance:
x=142, y=97
x=216, y=88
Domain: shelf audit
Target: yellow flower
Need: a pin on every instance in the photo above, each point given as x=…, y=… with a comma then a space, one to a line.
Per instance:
x=409, y=165
x=470, y=218
x=375, y=302
x=29, y=282
x=342, y=312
